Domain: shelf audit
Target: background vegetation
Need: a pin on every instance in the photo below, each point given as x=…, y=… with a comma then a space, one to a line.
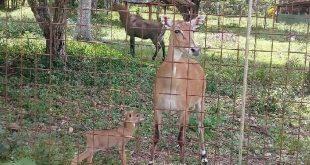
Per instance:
x=47, y=104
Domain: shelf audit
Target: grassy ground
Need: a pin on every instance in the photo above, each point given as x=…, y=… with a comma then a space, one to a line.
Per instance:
x=101, y=81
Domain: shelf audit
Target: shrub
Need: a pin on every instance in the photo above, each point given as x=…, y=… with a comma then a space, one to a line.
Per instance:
x=13, y=28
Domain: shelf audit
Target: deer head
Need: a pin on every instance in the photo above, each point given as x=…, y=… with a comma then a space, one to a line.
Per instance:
x=182, y=33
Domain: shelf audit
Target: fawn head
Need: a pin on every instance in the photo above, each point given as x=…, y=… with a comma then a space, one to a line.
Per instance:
x=133, y=117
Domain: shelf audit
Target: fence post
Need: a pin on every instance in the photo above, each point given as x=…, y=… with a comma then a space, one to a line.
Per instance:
x=245, y=79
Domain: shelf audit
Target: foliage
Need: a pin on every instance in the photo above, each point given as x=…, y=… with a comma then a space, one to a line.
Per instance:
x=100, y=81
x=234, y=7
x=24, y=161
x=42, y=103
x=17, y=28
x=271, y=11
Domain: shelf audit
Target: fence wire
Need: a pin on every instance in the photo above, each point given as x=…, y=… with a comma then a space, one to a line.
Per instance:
x=55, y=87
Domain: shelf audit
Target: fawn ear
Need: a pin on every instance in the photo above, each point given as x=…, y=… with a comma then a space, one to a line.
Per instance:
x=166, y=21
x=196, y=22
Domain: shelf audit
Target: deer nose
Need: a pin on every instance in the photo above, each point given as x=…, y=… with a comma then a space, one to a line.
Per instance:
x=195, y=51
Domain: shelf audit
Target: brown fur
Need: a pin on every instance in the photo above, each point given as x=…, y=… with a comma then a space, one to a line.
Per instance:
x=136, y=26
x=103, y=139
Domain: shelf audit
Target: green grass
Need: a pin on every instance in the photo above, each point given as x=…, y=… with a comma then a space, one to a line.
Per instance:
x=102, y=80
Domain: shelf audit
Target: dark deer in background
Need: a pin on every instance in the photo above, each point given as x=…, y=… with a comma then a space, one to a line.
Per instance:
x=136, y=26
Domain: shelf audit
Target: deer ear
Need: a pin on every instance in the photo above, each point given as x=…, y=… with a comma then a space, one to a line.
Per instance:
x=196, y=22
x=166, y=21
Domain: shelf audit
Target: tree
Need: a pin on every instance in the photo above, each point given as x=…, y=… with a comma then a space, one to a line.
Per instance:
x=2, y=4
x=94, y=6
x=23, y=2
x=52, y=24
x=83, y=25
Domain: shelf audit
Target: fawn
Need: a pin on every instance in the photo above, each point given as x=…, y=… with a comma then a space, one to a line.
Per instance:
x=103, y=139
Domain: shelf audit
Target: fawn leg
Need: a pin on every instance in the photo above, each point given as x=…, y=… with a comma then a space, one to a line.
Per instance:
x=122, y=154
x=90, y=159
x=157, y=117
x=87, y=153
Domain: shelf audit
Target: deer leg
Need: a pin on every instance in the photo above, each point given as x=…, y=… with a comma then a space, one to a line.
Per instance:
x=201, y=116
x=90, y=159
x=132, y=46
x=157, y=47
x=87, y=153
x=181, y=138
x=157, y=126
x=163, y=49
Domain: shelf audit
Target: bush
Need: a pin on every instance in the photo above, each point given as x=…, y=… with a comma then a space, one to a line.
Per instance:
x=16, y=28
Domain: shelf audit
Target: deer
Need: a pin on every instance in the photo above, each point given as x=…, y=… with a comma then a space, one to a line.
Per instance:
x=180, y=83
x=101, y=140
x=136, y=26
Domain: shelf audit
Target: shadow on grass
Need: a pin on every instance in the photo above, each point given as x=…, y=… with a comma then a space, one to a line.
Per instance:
x=264, y=33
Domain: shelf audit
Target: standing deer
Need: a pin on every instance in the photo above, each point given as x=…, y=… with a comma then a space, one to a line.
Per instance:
x=180, y=83
x=105, y=139
x=136, y=26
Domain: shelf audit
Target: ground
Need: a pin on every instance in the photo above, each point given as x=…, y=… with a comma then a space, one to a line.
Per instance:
x=47, y=106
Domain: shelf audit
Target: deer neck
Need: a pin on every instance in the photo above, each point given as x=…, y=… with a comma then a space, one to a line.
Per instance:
x=123, y=15
x=174, y=53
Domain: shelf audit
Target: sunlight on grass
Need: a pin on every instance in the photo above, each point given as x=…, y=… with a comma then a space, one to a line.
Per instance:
x=19, y=14
x=271, y=41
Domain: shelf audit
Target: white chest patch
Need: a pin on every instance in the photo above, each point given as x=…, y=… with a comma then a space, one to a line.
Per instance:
x=169, y=102
x=174, y=71
x=177, y=54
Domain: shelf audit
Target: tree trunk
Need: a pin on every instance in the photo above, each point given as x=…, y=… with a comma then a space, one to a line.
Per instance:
x=254, y=6
x=58, y=28
x=2, y=4
x=23, y=2
x=13, y=4
x=94, y=6
x=83, y=25
x=53, y=29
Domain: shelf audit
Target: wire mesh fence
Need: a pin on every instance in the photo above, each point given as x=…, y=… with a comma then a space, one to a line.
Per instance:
x=58, y=86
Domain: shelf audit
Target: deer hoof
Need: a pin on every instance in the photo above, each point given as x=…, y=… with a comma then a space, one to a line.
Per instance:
x=204, y=160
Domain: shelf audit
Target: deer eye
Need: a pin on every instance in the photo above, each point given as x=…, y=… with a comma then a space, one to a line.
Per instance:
x=177, y=31
x=129, y=115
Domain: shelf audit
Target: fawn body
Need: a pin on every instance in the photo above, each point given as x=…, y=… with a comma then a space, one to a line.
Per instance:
x=105, y=139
